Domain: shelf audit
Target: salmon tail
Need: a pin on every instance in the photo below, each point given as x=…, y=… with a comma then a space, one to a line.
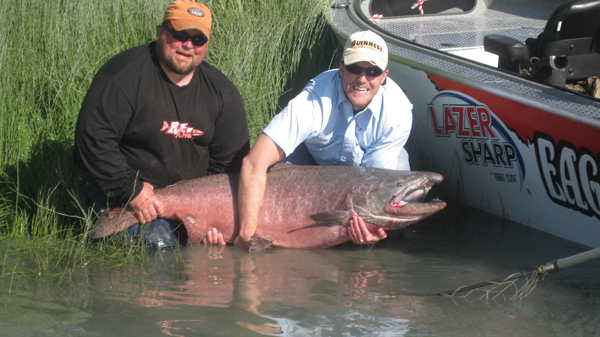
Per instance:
x=259, y=244
x=110, y=222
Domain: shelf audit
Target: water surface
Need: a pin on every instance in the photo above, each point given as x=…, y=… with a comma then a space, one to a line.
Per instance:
x=343, y=291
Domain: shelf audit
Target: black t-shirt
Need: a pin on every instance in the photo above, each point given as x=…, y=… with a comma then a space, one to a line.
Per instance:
x=136, y=125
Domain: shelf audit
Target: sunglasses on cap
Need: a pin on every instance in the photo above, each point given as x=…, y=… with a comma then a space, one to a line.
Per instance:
x=357, y=70
x=197, y=41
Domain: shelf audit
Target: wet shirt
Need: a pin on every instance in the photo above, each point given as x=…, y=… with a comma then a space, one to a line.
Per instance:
x=322, y=118
x=136, y=126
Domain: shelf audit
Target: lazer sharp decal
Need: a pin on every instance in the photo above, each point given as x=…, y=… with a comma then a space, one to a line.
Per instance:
x=570, y=175
x=485, y=140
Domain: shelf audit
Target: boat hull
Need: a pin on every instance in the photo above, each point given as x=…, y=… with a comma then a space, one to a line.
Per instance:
x=517, y=149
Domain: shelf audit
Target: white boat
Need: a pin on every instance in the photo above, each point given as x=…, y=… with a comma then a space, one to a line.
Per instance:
x=521, y=146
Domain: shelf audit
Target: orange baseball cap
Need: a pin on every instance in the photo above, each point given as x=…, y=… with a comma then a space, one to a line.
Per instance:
x=189, y=14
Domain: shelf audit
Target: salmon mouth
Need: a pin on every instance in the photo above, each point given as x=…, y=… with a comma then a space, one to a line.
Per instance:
x=417, y=192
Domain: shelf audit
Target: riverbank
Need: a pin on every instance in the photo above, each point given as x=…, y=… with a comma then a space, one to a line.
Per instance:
x=49, y=53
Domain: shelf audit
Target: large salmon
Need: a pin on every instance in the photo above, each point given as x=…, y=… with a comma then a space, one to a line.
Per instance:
x=303, y=207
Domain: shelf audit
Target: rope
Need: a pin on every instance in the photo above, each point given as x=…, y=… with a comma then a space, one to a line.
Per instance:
x=419, y=3
x=537, y=276
x=502, y=286
x=375, y=18
x=532, y=278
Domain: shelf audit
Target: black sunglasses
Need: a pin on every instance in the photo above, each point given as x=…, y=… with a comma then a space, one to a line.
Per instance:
x=197, y=41
x=357, y=70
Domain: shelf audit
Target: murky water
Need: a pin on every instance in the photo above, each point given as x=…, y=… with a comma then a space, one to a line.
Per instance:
x=343, y=291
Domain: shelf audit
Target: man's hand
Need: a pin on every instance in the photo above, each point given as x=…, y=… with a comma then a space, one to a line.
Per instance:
x=359, y=233
x=213, y=237
x=146, y=205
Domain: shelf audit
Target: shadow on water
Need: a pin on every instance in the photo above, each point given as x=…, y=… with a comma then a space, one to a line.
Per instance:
x=343, y=291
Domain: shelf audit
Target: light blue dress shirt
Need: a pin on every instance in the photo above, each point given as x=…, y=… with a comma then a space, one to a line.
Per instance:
x=322, y=118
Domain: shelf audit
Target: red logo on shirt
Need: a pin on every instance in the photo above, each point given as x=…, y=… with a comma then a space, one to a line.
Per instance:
x=180, y=130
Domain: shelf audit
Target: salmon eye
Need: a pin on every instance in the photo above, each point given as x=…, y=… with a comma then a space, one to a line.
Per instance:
x=398, y=184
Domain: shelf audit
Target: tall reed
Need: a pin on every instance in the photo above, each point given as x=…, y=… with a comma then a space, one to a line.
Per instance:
x=50, y=51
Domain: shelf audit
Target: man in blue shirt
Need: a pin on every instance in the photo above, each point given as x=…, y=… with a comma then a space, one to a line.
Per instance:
x=352, y=116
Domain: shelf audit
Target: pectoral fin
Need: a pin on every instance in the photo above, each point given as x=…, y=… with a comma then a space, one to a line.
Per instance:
x=259, y=244
x=332, y=218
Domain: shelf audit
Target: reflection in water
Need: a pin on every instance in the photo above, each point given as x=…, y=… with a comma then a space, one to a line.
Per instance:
x=269, y=286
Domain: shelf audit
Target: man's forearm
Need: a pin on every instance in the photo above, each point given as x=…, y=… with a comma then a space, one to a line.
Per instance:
x=251, y=192
x=252, y=185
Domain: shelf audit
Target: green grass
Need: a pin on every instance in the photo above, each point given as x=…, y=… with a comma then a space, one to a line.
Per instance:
x=49, y=53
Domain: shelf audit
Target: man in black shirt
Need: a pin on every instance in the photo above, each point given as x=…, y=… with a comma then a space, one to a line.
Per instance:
x=157, y=114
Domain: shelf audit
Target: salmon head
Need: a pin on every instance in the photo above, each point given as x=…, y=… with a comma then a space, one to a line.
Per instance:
x=395, y=199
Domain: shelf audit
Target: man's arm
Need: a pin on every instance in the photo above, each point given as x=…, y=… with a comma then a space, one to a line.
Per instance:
x=252, y=185
x=101, y=123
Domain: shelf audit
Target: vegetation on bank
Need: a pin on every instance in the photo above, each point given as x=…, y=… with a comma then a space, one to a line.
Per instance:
x=49, y=53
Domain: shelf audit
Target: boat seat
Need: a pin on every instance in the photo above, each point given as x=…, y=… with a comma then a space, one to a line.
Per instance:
x=568, y=49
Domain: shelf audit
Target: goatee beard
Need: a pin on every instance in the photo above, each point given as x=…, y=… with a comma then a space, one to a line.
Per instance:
x=170, y=63
x=172, y=66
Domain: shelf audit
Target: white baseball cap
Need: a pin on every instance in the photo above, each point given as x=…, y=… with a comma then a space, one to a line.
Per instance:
x=366, y=46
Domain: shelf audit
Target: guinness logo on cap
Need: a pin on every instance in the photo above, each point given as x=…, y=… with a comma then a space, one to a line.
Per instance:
x=196, y=12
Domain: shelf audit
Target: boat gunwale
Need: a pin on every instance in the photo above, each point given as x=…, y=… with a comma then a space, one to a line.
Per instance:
x=358, y=18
